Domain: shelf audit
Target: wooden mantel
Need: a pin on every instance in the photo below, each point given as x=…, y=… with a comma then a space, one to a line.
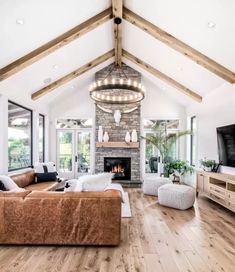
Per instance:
x=117, y=145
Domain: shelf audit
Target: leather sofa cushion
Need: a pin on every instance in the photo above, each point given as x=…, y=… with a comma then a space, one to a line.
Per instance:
x=24, y=179
x=42, y=186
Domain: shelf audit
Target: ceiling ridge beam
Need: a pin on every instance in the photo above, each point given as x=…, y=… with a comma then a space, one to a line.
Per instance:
x=179, y=46
x=117, y=6
x=55, y=44
x=83, y=69
x=150, y=69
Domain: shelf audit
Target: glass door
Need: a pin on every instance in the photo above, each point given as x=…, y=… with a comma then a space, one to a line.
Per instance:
x=65, y=153
x=83, y=152
x=73, y=152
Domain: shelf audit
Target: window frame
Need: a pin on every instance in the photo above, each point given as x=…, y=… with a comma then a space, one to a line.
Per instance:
x=192, y=137
x=31, y=138
x=43, y=135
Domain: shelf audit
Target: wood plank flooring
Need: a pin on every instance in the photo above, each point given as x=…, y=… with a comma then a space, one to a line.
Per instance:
x=155, y=239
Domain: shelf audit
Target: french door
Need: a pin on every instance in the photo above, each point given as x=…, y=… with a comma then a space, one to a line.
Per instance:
x=73, y=152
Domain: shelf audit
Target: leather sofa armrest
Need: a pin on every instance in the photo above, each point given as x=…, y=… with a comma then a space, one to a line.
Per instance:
x=7, y=194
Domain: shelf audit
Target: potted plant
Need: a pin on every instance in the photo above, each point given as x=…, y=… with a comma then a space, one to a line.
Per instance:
x=207, y=165
x=177, y=168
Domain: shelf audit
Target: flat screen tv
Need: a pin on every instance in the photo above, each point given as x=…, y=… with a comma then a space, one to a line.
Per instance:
x=226, y=145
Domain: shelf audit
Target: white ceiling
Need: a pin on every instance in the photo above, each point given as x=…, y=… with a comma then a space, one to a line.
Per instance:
x=45, y=20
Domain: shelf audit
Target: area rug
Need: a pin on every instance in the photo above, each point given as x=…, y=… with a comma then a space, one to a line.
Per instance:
x=126, y=209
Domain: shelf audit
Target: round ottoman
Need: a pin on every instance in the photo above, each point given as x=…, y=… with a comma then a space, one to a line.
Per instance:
x=151, y=185
x=176, y=196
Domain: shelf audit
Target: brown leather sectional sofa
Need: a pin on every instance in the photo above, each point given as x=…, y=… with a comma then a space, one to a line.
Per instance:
x=59, y=218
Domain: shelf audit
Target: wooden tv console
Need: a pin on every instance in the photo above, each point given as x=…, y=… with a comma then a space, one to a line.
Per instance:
x=217, y=186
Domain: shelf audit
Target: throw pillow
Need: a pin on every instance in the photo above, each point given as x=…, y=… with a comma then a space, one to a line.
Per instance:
x=45, y=167
x=73, y=185
x=10, y=185
x=95, y=183
x=44, y=177
x=2, y=186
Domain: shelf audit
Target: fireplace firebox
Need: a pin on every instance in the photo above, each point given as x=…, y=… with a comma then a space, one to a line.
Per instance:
x=121, y=167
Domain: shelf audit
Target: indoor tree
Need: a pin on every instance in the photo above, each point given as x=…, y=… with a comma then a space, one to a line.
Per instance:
x=163, y=140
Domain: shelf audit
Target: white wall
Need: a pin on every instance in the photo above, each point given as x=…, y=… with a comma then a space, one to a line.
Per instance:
x=217, y=109
x=78, y=104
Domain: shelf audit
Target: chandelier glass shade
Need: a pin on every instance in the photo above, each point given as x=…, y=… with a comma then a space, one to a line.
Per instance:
x=117, y=90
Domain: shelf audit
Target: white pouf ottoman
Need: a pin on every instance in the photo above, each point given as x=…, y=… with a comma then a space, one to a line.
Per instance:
x=176, y=196
x=151, y=185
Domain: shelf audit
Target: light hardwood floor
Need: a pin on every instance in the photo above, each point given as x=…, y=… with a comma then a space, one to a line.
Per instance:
x=155, y=239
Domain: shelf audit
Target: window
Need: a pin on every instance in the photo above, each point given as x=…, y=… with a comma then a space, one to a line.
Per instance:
x=19, y=137
x=74, y=123
x=41, y=138
x=151, y=156
x=193, y=141
x=159, y=128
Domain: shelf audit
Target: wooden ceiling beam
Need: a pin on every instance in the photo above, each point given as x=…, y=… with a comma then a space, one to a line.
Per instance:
x=85, y=68
x=161, y=76
x=179, y=46
x=117, y=6
x=55, y=44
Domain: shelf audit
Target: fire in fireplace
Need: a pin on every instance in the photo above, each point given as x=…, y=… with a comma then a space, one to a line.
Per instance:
x=118, y=169
x=121, y=167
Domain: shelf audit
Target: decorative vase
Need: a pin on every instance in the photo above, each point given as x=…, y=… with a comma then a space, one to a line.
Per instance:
x=100, y=134
x=106, y=137
x=208, y=168
x=134, y=136
x=127, y=137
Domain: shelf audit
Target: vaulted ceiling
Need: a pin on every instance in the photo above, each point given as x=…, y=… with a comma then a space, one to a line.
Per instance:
x=206, y=26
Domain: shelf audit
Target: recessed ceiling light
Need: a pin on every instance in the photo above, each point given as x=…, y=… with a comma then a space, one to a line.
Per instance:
x=19, y=21
x=47, y=80
x=211, y=24
x=55, y=66
x=72, y=87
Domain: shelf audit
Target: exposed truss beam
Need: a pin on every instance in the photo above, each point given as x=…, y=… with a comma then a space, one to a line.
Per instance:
x=55, y=44
x=161, y=76
x=72, y=75
x=179, y=46
x=117, y=13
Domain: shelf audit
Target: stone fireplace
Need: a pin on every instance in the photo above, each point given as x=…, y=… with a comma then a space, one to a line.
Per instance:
x=129, y=121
